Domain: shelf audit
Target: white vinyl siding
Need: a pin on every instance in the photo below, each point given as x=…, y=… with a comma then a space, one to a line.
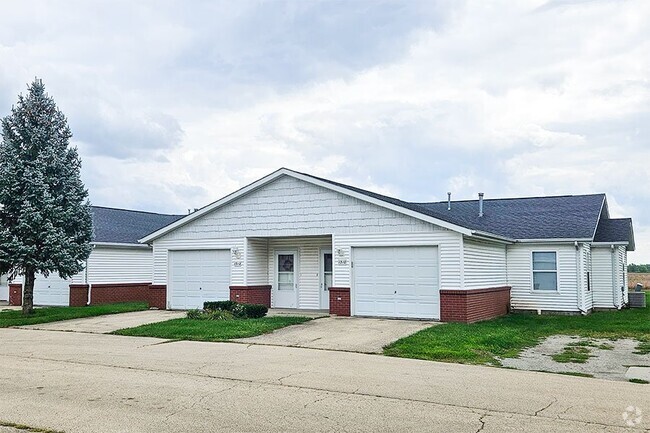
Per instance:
x=119, y=265
x=308, y=249
x=288, y=207
x=257, y=263
x=520, y=278
x=601, y=263
x=585, y=273
x=484, y=264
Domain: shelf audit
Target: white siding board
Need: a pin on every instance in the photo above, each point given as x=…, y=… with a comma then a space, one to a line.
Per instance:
x=603, y=292
x=520, y=277
x=120, y=265
x=257, y=270
x=484, y=264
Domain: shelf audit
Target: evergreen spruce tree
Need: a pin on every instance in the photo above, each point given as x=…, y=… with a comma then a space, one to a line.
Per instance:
x=45, y=220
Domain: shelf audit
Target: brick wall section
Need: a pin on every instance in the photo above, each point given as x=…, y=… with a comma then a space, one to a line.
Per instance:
x=251, y=295
x=78, y=295
x=340, y=301
x=16, y=295
x=474, y=305
x=158, y=296
x=119, y=292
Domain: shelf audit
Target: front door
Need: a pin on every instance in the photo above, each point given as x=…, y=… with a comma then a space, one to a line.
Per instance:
x=326, y=280
x=286, y=279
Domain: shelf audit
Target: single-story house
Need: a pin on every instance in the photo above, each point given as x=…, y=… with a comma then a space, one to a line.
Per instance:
x=119, y=268
x=293, y=240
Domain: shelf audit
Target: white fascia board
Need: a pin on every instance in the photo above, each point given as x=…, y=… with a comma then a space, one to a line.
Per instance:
x=557, y=240
x=283, y=171
x=494, y=238
x=119, y=245
x=608, y=244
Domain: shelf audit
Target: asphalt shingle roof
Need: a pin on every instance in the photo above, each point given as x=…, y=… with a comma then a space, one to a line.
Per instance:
x=615, y=230
x=126, y=226
x=555, y=217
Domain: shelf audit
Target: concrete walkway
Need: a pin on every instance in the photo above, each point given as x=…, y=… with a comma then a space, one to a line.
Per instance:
x=76, y=382
x=349, y=334
x=109, y=322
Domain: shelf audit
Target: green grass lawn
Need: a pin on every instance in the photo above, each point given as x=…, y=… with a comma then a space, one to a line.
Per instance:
x=211, y=330
x=505, y=337
x=55, y=314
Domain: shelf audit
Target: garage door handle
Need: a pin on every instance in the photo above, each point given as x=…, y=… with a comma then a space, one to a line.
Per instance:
x=396, y=292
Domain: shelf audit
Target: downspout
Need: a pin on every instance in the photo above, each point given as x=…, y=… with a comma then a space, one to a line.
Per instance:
x=579, y=287
x=614, y=283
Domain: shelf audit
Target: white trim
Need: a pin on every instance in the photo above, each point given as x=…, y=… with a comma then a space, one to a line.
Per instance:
x=602, y=206
x=321, y=271
x=556, y=271
x=608, y=244
x=119, y=245
x=286, y=172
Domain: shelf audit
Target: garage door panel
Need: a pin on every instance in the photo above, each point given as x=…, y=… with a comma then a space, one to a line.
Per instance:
x=396, y=282
x=198, y=276
x=51, y=290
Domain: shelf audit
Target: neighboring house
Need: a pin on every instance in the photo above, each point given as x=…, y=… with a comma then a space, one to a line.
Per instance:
x=118, y=269
x=292, y=240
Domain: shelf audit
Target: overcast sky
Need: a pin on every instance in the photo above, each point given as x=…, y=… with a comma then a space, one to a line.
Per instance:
x=175, y=104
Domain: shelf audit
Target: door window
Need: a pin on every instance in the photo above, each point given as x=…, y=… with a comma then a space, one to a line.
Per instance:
x=327, y=270
x=286, y=274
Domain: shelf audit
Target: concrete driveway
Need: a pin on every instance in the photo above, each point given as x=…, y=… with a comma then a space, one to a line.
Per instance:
x=348, y=334
x=109, y=322
x=78, y=382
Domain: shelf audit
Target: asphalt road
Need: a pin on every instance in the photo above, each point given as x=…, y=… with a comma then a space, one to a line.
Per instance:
x=77, y=382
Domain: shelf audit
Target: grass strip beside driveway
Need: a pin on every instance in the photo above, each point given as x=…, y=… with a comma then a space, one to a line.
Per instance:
x=505, y=337
x=211, y=330
x=55, y=314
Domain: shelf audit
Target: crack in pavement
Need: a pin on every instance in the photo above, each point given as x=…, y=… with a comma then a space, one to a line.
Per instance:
x=349, y=394
x=482, y=421
x=546, y=407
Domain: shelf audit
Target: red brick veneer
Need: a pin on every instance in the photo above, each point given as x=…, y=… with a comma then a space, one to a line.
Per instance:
x=15, y=294
x=111, y=293
x=157, y=296
x=251, y=294
x=340, y=301
x=78, y=295
x=474, y=305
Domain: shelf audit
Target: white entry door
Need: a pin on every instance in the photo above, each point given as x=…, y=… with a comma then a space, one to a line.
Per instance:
x=51, y=290
x=396, y=282
x=326, y=280
x=285, y=289
x=198, y=276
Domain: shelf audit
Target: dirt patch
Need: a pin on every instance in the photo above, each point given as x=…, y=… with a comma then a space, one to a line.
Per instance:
x=604, y=359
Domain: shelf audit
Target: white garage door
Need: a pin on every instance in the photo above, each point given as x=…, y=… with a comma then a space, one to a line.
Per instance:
x=52, y=290
x=396, y=282
x=198, y=276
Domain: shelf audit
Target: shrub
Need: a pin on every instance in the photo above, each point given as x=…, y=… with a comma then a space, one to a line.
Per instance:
x=219, y=315
x=219, y=305
x=254, y=311
x=194, y=314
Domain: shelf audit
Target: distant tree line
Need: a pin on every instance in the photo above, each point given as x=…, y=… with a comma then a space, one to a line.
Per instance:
x=638, y=268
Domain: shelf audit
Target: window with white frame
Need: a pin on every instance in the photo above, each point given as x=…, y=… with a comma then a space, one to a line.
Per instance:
x=545, y=271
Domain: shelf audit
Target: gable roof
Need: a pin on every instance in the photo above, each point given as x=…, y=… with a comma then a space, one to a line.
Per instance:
x=615, y=230
x=568, y=217
x=121, y=226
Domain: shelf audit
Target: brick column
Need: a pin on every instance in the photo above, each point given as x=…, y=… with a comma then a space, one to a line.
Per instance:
x=158, y=296
x=15, y=294
x=474, y=305
x=340, y=301
x=78, y=295
x=251, y=295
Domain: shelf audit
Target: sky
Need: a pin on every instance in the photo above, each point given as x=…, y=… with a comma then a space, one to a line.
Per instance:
x=174, y=104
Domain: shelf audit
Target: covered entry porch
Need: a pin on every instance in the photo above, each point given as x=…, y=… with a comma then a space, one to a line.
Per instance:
x=291, y=272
